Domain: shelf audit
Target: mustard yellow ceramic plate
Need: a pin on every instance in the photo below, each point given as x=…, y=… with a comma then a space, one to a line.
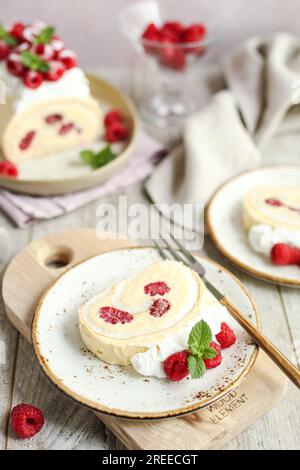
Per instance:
x=65, y=173
x=119, y=390
x=225, y=225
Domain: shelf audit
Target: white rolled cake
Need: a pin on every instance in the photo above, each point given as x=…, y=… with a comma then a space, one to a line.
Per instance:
x=271, y=215
x=49, y=107
x=141, y=312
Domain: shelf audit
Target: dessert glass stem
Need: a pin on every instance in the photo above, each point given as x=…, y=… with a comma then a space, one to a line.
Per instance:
x=172, y=96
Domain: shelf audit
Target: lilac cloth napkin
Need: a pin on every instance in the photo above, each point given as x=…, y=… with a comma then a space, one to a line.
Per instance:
x=24, y=210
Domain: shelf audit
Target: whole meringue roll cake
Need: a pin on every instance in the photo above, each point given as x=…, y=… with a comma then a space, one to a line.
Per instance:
x=273, y=206
x=49, y=107
x=141, y=311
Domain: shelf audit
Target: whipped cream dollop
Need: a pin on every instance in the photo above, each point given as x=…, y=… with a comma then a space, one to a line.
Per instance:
x=150, y=362
x=263, y=237
x=73, y=84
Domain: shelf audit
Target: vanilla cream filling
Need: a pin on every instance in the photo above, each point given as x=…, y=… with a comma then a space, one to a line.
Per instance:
x=263, y=237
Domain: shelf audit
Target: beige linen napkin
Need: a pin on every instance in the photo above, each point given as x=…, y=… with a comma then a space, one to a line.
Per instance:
x=255, y=120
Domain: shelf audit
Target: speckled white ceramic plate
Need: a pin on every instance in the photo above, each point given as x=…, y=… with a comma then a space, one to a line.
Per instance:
x=121, y=391
x=224, y=223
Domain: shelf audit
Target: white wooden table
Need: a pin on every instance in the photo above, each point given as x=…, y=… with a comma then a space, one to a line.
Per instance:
x=69, y=426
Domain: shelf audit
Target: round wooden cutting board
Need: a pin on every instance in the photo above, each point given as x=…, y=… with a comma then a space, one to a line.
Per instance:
x=43, y=261
x=66, y=177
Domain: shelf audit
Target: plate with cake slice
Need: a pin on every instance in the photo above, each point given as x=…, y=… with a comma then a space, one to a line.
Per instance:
x=254, y=220
x=132, y=335
x=61, y=130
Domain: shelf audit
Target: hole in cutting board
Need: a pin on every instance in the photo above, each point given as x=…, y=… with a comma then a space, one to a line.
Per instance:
x=59, y=259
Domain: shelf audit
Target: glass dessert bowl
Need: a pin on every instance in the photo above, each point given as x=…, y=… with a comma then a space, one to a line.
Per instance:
x=172, y=53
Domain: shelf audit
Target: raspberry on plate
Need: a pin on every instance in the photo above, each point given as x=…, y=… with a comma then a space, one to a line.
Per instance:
x=216, y=361
x=226, y=337
x=26, y=420
x=176, y=366
x=116, y=132
x=112, y=117
x=283, y=254
x=8, y=169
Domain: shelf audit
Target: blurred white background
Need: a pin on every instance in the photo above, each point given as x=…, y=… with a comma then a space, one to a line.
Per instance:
x=90, y=26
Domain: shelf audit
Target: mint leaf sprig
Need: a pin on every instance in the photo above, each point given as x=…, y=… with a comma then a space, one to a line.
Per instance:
x=199, y=348
x=45, y=36
x=34, y=62
x=98, y=159
x=7, y=38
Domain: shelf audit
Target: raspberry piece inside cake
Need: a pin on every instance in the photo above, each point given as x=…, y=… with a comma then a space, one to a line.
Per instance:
x=114, y=315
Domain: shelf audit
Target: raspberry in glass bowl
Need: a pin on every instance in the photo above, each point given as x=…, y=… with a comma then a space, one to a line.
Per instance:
x=173, y=51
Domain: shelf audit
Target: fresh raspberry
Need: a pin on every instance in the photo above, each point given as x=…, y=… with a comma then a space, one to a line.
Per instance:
x=26, y=420
x=194, y=33
x=114, y=315
x=4, y=50
x=116, y=132
x=27, y=140
x=66, y=128
x=216, y=361
x=53, y=118
x=174, y=26
x=33, y=79
x=14, y=65
x=157, y=288
x=283, y=254
x=112, y=117
x=176, y=366
x=8, y=169
x=152, y=34
x=159, y=307
x=170, y=35
x=57, y=69
x=273, y=202
x=17, y=30
x=172, y=57
x=226, y=337
x=45, y=51
x=68, y=58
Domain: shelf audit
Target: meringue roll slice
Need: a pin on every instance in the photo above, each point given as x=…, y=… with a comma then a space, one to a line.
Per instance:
x=141, y=311
x=49, y=127
x=271, y=215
